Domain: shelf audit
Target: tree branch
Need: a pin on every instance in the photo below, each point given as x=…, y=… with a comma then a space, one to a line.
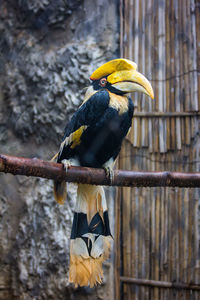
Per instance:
x=50, y=170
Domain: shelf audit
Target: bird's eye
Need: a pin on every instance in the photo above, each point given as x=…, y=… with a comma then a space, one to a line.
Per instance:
x=103, y=82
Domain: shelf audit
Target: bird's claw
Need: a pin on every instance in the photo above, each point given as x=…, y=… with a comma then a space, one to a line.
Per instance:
x=109, y=174
x=66, y=164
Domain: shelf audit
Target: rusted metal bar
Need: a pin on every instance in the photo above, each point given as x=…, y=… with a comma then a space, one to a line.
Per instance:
x=50, y=170
x=160, y=284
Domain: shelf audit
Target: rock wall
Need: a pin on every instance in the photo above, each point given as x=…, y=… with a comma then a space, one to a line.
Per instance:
x=48, y=49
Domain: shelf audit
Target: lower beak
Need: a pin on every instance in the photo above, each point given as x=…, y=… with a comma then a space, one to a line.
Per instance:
x=129, y=81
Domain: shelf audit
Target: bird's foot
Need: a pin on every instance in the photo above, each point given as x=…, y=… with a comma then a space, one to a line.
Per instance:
x=109, y=174
x=66, y=164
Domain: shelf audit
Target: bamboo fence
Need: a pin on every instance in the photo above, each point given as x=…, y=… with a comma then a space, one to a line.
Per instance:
x=158, y=229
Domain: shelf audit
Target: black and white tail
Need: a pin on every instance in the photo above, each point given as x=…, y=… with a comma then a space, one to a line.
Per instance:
x=90, y=237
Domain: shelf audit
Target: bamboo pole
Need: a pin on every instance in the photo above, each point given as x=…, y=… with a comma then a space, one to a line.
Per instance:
x=118, y=235
x=170, y=235
x=167, y=71
x=196, y=244
x=149, y=68
x=190, y=233
x=146, y=214
x=162, y=238
x=144, y=127
x=156, y=74
x=172, y=74
x=166, y=235
x=175, y=258
x=136, y=123
x=140, y=241
x=125, y=35
x=194, y=66
x=178, y=71
x=186, y=53
x=161, y=75
x=126, y=229
x=157, y=242
x=121, y=28
x=117, y=244
x=197, y=15
x=180, y=211
x=136, y=239
x=185, y=87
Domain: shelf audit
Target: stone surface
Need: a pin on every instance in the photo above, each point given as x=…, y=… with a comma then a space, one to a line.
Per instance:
x=48, y=49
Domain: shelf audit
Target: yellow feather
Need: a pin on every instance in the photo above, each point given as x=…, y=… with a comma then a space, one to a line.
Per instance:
x=60, y=191
x=88, y=271
x=75, y=137
x=120, y=103
x=54, y=157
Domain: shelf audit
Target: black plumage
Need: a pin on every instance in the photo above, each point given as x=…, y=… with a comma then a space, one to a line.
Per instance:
x=102, y=138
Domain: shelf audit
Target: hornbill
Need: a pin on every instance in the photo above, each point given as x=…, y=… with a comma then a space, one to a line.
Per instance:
x=93, y=138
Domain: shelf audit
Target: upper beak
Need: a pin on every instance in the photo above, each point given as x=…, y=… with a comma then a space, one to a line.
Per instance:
x=129, y=81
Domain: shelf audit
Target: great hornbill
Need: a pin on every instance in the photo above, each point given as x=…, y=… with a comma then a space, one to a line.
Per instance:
x=93, y=138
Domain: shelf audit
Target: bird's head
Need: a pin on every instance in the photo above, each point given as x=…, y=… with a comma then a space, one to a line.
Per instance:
x=120, y=77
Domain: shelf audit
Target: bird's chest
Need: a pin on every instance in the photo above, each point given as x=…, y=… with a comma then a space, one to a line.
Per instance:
x=114, y=123
x=110, y=129
x=118, y=122
x=102, y=139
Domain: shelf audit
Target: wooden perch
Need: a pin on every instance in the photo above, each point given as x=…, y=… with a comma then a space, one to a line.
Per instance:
x=50, y=170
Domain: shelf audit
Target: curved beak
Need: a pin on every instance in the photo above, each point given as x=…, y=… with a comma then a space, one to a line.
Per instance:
x=129, y=81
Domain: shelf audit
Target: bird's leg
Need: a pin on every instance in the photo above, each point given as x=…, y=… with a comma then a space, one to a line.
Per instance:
x=109, y=174
x=108, y=167
x=66, y=164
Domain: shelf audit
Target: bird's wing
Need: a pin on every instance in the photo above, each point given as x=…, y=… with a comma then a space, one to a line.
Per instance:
x=87, y=115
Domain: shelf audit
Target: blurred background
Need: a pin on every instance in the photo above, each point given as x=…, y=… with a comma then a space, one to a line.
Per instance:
x=48, y=50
